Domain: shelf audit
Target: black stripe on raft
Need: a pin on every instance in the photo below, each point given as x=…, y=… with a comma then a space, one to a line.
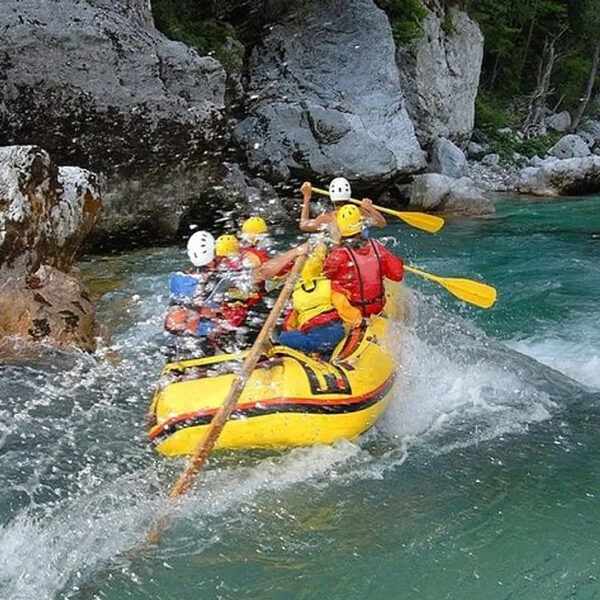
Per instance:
x=336, y=381
x=269, y=409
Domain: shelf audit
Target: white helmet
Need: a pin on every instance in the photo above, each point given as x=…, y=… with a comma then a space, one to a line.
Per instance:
x=201, y=248
x=339, y=189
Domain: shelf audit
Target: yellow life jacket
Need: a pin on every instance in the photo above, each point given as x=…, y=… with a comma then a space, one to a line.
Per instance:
x=312, y=298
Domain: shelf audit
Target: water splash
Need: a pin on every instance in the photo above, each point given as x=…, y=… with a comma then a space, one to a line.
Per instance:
x=79, y=485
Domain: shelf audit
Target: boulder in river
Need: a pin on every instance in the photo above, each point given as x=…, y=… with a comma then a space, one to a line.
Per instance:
x=466, y=198
x=47, y=306
x=572, y=176
x=428, y=190
x=324, y=97
x=45, y=213
x=432, y=191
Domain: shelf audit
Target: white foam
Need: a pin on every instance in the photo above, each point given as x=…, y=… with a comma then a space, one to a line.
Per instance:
x=578, y=359
x=40, y=554
x=451, y=375
x=60, y=550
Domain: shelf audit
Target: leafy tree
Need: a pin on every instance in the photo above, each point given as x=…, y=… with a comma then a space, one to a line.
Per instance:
x=585, y=21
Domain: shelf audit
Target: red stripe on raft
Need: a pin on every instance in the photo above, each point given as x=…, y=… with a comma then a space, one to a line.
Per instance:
x=158, y=430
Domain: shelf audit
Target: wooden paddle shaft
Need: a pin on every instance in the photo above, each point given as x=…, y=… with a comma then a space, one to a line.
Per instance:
x=203, y=449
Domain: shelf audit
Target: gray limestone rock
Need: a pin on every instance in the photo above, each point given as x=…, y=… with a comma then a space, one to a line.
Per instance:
x=439, y=74
x=95, y=83
x=572, y=176
x=559, y=122
x=587, y=137
x=590, y=132
x=570, y=146
x=45, y=210
x=466, y=198
x=493, y=178
x=462, y=196
x=251, y=195
x=477, y=151
x=325, y=97
x=447, y=158
x=491, y=160
x=535, y=161
x=429, y=190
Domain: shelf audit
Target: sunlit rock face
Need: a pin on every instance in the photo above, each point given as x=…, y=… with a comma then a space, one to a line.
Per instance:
x=324, y=97
x=439, y=73
x=571, y=176
x=440, y=193
x=95, y=83
x=45, y=213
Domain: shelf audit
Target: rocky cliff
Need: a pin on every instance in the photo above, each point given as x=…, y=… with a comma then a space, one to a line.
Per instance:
x=439, y=74
x=95, y=84
x=322, y=92
x=324, y=97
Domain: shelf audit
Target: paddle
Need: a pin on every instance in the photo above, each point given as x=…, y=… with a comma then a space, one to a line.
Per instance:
x=423, y=221
x=473, y=292
x=204, y=447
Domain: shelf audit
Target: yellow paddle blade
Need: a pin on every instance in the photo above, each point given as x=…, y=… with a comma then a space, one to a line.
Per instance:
x=473, y=292
x=479, y=294
x=429, y=223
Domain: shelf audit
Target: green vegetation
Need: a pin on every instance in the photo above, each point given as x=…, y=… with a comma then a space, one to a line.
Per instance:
x=199, y=25
x=539, y=54
x=405, y=18
x=491, y=113
x=508, y=145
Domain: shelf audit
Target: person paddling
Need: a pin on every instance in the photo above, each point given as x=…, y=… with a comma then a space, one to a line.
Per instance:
x=315, y=323
x=360, y=264
x=253, y=235
x=243, y=307
x=195, y=297
x=339, y=191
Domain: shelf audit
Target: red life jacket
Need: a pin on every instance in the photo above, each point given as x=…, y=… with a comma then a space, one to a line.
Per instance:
x=364, y=279
x=235, y=312
x=256, y=257
x=259, y=255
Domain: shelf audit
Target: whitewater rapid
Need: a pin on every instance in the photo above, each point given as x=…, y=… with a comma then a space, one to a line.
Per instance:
x=81, y=487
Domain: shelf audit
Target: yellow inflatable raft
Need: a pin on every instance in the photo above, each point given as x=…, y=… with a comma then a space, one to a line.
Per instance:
x=291, y=399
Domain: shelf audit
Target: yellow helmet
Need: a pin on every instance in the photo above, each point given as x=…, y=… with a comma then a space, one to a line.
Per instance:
x=313, y=267
x=254, y=226
x=349, y=220
x=226, y=245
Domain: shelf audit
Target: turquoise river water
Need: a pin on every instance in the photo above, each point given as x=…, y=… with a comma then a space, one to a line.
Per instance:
x=481, y=481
